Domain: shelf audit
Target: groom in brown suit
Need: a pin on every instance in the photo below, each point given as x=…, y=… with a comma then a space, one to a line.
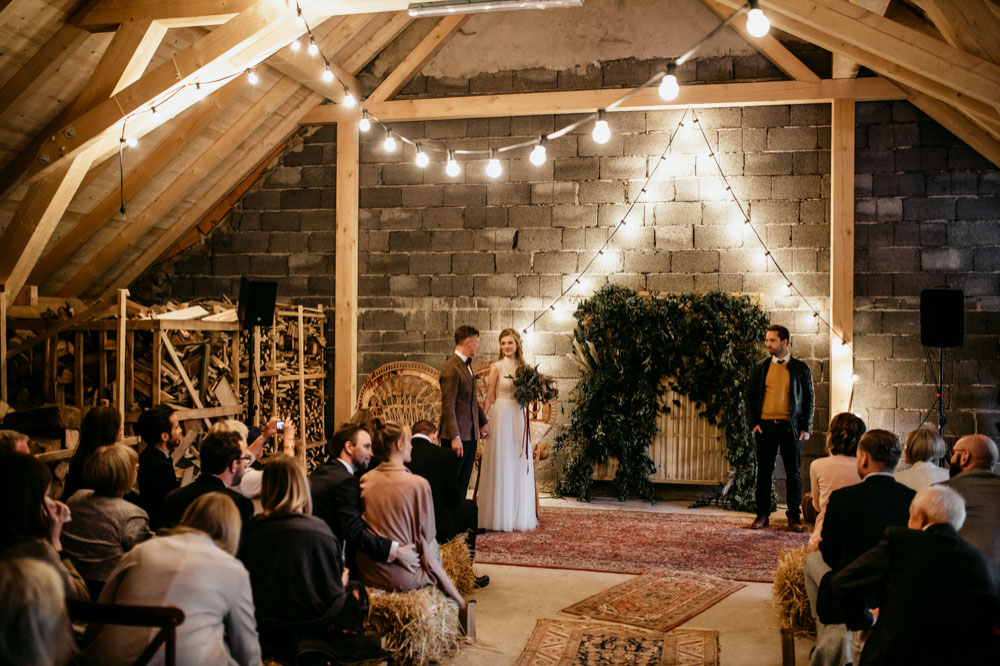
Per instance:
x=462, y=419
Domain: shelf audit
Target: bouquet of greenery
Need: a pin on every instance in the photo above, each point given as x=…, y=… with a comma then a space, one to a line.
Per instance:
x=531, y=385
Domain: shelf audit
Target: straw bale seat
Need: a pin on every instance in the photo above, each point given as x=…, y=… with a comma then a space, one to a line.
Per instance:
x=418, y=626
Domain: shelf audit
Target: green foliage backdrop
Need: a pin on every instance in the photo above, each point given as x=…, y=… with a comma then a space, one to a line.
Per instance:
x=625, y=344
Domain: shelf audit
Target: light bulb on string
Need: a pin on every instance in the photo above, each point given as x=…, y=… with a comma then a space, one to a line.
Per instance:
x=422, y=160
x=537, y=156
x=757, y=23
x=451, y=166
x=252, y=77
x=787, y=289
x=348, y=100
x=131, y=142
x=199, y=92
x=364, y=124
x=493, y=168
x=295, y=46
x=855, y=379
x=298, y=12
x=313, y=49
x=390, y=143
x=327, y=73
x=669, y=88
x=602, y=132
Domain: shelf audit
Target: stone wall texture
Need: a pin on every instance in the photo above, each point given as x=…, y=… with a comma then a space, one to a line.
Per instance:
x=437, y=252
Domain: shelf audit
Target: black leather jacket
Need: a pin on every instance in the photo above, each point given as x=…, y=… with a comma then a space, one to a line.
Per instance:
x=801, y=397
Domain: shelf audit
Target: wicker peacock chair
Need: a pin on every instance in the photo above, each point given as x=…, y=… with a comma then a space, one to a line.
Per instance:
x=403, y=391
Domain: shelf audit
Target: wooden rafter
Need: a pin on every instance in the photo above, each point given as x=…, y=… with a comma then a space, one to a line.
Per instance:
x=226, y=180
x=770, y=47
x=175, y=14
x=582, y=101
x=958, y=124
x=417, y=58
x=210, y=159
x=141, y=176
x=968, y=25
x=382, y=38
x=263, y=28
x=306, y=70
x=844, y=67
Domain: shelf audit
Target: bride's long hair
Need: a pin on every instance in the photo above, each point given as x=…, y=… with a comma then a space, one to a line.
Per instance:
x=519, y=354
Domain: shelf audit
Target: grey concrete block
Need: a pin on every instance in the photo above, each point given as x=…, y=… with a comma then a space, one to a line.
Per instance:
x=494, y=285
x=935, y=208
x=675, y=213
x=513, y=263
x=226, y=264
x=765, y=116
x=576, y=169
x=473, y=263
x=613, y=147
x=792, y=138
x=979, y=208
x=653, y=143
x=609, y=215
x=409, y=285
x=548, y=263
x=414, y=196
x=525, y=171
x=322, y=241
x=532, y=240
x=602, y=191
x=508, y=194
x=529, y=216
x=282, y=178
x=319, y=176
x=894, y=260
x=380, y=197
x=670, y=282
x=811, y=236
x=314, y=263
x=410, y=241
x=747, y=188
x=769, y=164
x=308, y=155
x=300, y=199
x=694, y=261
x=971, y=233
x=574, y=216
x=430, y=263
x=402, y=173
x=717, y=236
x=452, y=241
x=534, y=79
x=388, y=263
x=283, y=221
x=317, y=220
x=443, y=218
x=554, y=193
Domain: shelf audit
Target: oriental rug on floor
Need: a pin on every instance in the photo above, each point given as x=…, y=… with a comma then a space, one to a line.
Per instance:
x=658, y=600
x=569, y=643
x=636, y=541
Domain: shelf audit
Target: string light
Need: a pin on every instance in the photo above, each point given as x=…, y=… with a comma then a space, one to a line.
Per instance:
x=669, y=88
x=602, y=131
x=302, y=19
x=295, y=46
x=855, y=379
x=364, y=124
x=348, y=100
x=252, y=77
x=787, y=289
x=199, y=92
x=493, y=168
x=451, y=166
x=390, y=143
x=757, y=23
x=131, y=142
x=422, y=160
x=537, y=156
x=327, y=73
x=313, y=49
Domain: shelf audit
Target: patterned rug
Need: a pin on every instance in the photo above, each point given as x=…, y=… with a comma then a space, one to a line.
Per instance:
x=569, y=643
x=636, y=541
x=659, y=600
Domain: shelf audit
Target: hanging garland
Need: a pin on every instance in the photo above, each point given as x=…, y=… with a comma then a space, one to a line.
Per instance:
x=625, y=344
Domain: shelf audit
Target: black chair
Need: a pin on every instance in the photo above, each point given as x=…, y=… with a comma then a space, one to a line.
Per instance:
x=167, y=618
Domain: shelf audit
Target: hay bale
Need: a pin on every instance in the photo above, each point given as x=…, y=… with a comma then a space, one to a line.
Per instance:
x=790, y=597
x=457, y=562
x=419, y=626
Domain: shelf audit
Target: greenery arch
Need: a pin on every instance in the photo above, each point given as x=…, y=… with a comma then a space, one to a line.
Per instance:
x=625, y=343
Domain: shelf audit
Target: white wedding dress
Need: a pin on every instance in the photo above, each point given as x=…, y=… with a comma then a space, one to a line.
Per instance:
x=507, y=486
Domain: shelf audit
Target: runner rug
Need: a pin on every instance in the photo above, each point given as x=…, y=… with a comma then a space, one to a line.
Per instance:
x=568, y=643
x=659, y=600
x=636, y=541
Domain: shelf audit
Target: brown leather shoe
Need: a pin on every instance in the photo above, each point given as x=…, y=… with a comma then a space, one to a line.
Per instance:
x=759, y=523
x=795, y=525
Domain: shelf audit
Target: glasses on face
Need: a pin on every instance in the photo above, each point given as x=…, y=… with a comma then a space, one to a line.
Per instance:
x=247, y=458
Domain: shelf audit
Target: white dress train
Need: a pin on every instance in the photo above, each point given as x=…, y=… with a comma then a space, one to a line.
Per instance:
x=507, y=487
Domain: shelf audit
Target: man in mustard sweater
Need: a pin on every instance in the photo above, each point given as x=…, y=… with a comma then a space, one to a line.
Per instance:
x=780, y=410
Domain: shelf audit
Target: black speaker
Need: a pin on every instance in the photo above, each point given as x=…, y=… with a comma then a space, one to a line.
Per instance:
x=942, y=317
x=256, y=303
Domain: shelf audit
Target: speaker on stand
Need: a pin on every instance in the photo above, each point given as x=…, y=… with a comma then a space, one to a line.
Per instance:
x=942, y=324
x=255, y=307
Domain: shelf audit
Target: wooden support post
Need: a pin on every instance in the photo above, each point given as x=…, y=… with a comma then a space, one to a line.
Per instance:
x=102, y=366
x=345, y=371
x=157, y=374
x=120, y=353
x=206, y=363
x=274, y=367
x=842, y=256
x=3, y=344
x=234, y=360
x=303, y=441
x=129, y=371
x=255, y=376
x=78, y=357
x=172, y=353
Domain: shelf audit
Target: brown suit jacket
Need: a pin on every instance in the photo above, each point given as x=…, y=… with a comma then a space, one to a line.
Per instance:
x=461, y=414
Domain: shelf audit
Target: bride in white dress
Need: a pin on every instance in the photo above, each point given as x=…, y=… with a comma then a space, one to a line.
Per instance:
x=507, y=489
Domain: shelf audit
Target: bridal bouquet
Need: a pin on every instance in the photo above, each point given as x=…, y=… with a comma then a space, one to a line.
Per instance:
x=531, y=385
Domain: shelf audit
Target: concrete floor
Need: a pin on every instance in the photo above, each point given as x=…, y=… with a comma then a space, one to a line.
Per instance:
x=517, y=596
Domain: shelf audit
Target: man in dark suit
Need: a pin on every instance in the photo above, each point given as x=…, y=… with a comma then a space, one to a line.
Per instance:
x=453, y=514
x=223, y=462
x=161, y=431
x=937, y=595
x=463, y=421
x=780, y=409
x=336, y=496
x=856, y=518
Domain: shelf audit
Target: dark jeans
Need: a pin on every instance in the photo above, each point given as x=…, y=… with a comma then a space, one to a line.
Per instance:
x=465, y=464
x=778, y=436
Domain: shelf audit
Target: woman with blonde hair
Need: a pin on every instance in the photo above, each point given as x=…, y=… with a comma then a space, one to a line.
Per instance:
x=34, y=627
x=299, y=580
x=507, y=476
x=399, y=506
x=104, y=526
x=193, y=568
x=921, y=451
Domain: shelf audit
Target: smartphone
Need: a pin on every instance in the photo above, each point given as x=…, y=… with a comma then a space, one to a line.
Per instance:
x=280, y=426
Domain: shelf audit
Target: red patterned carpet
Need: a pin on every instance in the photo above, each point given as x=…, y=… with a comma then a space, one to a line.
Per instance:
x=636, y=541
x=658, y=600
x=568, y=643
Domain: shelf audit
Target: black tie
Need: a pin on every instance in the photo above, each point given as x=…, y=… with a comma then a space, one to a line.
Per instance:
x=468, y=362
x=781, y=361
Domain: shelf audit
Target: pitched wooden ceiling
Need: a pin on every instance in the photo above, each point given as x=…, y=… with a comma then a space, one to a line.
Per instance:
x=71, y=71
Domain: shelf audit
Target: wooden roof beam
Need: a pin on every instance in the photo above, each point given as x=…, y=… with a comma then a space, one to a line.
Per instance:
x=307, y=70
x=770, y=47
x=417, y=58
x=968, y=25
x=173, y=14
x=381, y=39
x=844, y=67
x=227, y=180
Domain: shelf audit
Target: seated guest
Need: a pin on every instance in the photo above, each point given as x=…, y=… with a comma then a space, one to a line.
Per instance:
x=336, y=498
x=453, y=514
x=399, y=506
x=973, y=464
x=930, y=583
x=856, y=517
x=104, y=526
x=249, y=485
x=222, y=465
x=300, y=586
x=34, y=628
x=838, y=469
x=923, y=448
x=101, y=426
x=161, y=431
x=11, y=441
x=192, y=568
x=31, y=522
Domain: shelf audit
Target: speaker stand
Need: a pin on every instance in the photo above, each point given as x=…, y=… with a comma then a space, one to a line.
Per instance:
x=942, y=419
